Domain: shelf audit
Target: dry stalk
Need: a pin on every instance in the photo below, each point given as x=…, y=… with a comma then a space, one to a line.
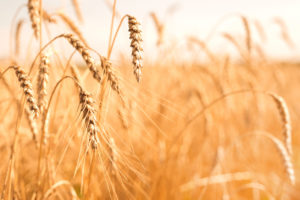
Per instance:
x=136, y=45
x=42, y=83
x=45, y=126
x=284, y=32
x=51, y=191
x=286, y=121
x=231, y=39
x=221, y=178
x=159, y=28
x=17, y=36
x=202, y=44
x=48, y=17
x=260, y=30
x=72, y=26
x=77, y=10
x=111, y=7
x=123, y=117
x=248, y=34
x=33, y=9
x=75, y=74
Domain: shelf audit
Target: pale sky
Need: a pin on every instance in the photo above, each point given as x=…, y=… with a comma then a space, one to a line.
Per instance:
x=189, y=17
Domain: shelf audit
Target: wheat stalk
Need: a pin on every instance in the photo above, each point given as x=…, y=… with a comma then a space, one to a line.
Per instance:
x=77, y=10
x=111, y=7
x=73, y=27
x=231, y=39
x=75, y=74
x=33, y=9
x=45, y=126
x=136, y=45
x=203, y=45
x=260, y=30
x=17, y=36
x=284, y=32
x=248, y=40
x=220, y=178
x=159, y=28
x=54, y=188
x=123, y=117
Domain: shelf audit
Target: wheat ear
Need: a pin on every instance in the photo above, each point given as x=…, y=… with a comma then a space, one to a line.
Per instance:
x=32, y=124
x=33, y=9
x=136, y=45
x=28, y=91
x=79, y=46
x=42, y=83
x=285, y=118
x=112, y=78
x=285, y=157
x=89, y=116
x=113, y=156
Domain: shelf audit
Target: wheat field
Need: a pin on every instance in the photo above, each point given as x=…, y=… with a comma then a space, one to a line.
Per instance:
x=77, y=124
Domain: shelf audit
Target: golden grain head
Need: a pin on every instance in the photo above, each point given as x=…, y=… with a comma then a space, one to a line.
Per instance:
x=34, y=13
x=79, y=46
x=89, y=117
x=135, y=31
x=26, y=85
x=42, y=83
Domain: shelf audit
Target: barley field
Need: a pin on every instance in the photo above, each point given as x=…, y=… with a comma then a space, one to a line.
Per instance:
x=184, y=122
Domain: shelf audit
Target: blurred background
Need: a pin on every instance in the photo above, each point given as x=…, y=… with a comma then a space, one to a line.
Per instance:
x=181, y=19
x=224, y=74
